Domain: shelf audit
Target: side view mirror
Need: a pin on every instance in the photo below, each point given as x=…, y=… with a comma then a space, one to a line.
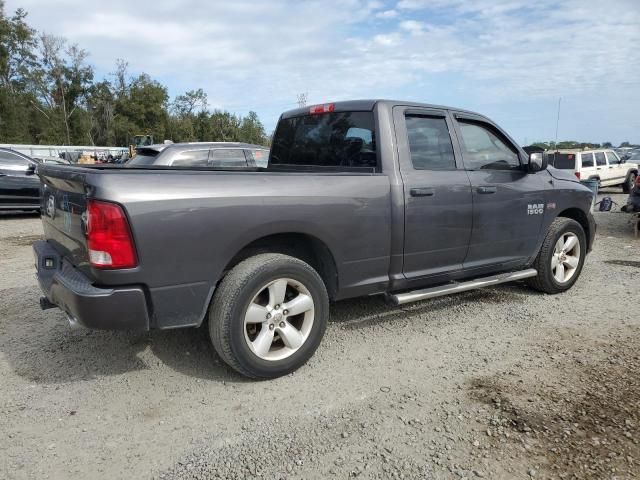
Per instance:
x=31, y=169
x=537, y=162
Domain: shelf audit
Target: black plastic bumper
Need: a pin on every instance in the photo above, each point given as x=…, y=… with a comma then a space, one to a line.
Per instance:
x=122, y=308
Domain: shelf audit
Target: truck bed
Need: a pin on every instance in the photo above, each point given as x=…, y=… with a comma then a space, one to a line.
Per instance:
x=187, y=224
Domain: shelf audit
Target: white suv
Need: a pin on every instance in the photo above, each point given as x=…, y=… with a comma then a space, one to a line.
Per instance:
x=603, y=165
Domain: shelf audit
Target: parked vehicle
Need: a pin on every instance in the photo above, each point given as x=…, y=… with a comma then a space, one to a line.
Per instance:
x=201, y=154
x=407, y=200
x=633, y=202
x=602, y=165
x=56, y=160
x=19, y=187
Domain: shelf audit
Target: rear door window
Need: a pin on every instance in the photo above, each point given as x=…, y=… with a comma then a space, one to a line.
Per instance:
x=191, y=158
x=336, y=139
x=429, y=143
x=227, y=157
x=600, y=159
x=587, y=160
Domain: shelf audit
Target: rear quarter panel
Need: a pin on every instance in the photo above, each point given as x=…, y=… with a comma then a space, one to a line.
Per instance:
x=188, y=225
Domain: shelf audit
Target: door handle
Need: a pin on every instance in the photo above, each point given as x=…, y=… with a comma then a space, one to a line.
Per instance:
x=487, y=189
x=422, y=192
x=599, y=168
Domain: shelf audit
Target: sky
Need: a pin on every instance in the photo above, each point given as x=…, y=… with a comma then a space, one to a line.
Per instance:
x=508, y=59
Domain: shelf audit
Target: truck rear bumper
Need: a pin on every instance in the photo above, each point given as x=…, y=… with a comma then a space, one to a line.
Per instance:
x=69, y=289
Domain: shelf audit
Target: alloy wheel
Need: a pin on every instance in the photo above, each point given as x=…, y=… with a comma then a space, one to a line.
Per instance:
x=566, y=257
x=279, y=319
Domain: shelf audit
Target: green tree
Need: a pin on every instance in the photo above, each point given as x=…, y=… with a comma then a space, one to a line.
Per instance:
x=224, y=127
x=252, y=130
x=142, y=110
x=17, y=44
x=62, y=80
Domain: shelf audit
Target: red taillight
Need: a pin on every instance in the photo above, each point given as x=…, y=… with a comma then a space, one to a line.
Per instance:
x=109, y=238
x=578, y=175
x=326, y=108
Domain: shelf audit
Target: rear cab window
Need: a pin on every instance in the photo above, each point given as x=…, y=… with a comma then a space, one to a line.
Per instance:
x=563, y=161
x=334, y=139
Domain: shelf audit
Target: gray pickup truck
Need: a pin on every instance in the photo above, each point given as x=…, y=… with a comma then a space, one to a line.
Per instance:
x=407, y=200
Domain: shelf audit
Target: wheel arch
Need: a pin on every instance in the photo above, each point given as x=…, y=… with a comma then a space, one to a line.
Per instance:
x=581, y=217
x=303, y=246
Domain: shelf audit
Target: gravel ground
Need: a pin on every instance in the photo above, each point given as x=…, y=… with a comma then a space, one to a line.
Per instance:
x=498, y=383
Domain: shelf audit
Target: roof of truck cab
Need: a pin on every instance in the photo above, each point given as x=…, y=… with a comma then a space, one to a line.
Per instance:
x=367, y=105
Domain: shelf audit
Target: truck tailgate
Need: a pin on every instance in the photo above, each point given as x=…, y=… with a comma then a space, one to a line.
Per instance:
x=63, y=193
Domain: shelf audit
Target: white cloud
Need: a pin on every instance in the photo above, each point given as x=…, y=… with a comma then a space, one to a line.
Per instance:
x=387, y=14
x=387, y=40
x=412, y=26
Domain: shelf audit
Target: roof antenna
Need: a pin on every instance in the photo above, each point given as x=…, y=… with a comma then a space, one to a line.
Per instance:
x=557, y=123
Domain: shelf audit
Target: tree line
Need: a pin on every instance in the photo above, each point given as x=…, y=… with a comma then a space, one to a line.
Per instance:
x=49, y=95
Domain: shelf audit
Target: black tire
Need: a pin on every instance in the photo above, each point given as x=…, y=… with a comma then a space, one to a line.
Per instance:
x=629, y=183
x=232, y=298
x=545, y=281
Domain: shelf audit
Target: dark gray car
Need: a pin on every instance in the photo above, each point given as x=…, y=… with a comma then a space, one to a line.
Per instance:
x=407, y=200
x=19, y=186
x=201, y=154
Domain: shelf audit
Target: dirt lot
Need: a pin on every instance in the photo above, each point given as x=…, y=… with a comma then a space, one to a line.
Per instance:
x=500, y=383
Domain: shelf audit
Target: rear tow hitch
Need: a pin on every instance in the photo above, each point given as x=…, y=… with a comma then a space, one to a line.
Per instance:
x=45, y=304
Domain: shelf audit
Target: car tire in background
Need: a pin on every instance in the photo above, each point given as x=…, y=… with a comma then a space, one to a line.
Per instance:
x=561, y=257
x=629, y=182
x=268, y=315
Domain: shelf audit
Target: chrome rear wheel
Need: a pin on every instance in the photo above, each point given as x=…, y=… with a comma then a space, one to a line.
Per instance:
x=279, y=319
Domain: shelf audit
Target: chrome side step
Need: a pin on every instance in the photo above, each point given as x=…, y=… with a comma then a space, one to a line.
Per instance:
x=457, y=287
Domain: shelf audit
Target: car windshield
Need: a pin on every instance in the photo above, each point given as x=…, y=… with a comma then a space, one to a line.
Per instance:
x=564, y=161
x=635, y=156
